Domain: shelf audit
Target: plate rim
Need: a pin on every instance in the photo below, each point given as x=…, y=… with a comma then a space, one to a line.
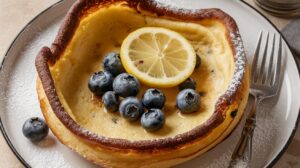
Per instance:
x=270, y=164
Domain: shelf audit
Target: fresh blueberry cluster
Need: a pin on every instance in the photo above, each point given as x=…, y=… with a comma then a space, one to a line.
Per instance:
x=119, y=90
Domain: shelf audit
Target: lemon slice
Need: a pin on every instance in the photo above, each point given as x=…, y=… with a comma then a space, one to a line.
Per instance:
x=158, y=57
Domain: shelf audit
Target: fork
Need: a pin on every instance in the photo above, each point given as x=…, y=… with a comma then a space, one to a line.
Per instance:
x=265, y=83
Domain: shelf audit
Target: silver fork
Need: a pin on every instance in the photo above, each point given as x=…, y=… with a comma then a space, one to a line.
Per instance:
x=265, y=82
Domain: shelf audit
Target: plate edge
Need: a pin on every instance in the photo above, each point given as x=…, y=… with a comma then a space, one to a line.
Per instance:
x=20, y=158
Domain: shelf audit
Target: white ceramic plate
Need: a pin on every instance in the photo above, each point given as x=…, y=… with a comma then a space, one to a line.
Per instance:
x=18, y=100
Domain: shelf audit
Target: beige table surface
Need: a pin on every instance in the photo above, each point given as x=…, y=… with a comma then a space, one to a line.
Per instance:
x=14, y=14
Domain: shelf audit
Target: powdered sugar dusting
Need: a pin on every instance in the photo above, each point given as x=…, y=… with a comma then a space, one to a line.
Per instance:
x=220, y=161
x=265, y=134
x=175, y=5
x=240, y=62
x=241, y=164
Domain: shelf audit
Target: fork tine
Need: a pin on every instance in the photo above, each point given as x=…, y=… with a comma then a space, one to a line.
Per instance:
x=269, y=76
x=278, y=66
x=263, y=62
x=255, y=59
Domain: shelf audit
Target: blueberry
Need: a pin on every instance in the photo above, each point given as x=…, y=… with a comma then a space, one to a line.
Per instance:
x=153, y=119
x=188, y=84
x=131, y=108
x=100, y=82
x=35, y=129
x=112, y=63
x=126, y=85
x=198, y=61
x=110, y=101
x=154, y=98
x=188, y=101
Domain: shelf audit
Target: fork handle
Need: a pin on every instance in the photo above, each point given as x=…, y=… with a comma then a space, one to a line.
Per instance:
x=243, y=150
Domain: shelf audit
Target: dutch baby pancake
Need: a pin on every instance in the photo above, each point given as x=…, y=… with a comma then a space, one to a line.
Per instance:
x=92, y=30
